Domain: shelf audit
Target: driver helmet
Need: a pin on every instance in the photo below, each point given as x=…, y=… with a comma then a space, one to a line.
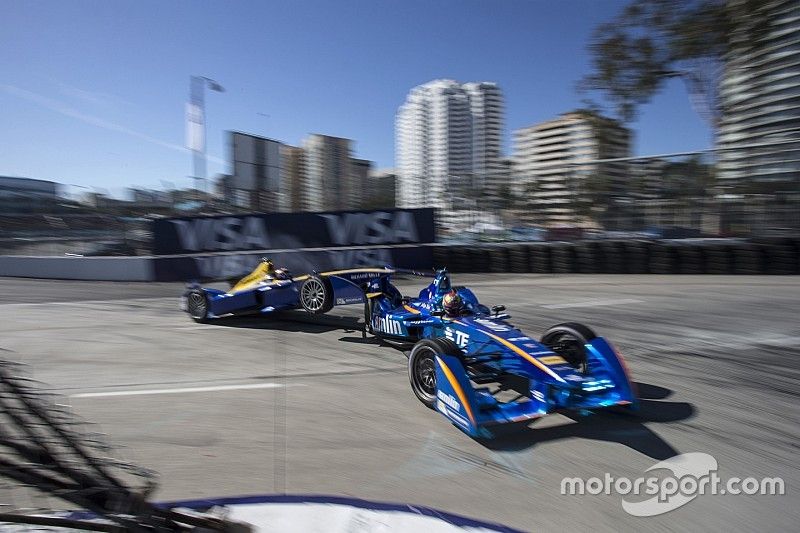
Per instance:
x=453, y=304
x=282, y=273
x=269, y=267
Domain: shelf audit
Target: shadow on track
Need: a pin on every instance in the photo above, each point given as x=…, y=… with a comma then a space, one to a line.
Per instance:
x=292, y=322
x=626, y=428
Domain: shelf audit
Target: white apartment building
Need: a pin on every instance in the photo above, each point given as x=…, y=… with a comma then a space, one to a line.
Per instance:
x=760, y=101
x=554, y=159
x=448, y=143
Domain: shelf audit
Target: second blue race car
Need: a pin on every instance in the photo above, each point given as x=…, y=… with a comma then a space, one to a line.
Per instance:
x=473, y=366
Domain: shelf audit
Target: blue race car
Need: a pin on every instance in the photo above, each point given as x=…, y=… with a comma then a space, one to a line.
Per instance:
x=481, y=372
x=267, y=289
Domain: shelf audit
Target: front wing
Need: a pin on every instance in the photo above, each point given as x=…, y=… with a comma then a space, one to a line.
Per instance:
x=477, y=412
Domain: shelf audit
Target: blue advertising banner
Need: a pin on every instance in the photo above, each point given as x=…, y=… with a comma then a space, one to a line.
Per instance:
x=287, y=231
x=235, y=265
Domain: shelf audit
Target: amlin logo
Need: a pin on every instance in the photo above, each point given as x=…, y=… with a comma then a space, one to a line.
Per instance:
x=673, y=483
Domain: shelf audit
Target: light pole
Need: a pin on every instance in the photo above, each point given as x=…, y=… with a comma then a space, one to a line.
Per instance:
x=196, y=125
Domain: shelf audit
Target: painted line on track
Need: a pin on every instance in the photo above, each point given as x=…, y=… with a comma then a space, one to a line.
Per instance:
x=80, y=303
x=593, y=303
x=146, y=392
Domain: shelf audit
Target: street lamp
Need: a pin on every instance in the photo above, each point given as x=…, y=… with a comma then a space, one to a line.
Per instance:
x=196, y=124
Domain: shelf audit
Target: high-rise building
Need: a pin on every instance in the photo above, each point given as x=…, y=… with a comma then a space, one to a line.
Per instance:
x=329, y=173
x=256, y=179
x=331, y=178
x=448, y=143
x=486, y=107
x=760, y=100
x=360, y=170
x=558, y=161
x=292, y=197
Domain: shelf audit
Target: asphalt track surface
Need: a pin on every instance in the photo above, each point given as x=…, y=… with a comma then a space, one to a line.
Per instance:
x=303, y=405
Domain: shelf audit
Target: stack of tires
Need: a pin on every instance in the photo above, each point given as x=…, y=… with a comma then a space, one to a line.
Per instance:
x=765, y=256
x=499, y=259
x=690, y=258
x=540, y=258
x=443, y=257
x=718, y=258
x=519, y=259
x=663, y=258
x=748, y=258
x=564, y=258
x=588, y=257
x=780, y=255
x=636, y=255
x=613, y=260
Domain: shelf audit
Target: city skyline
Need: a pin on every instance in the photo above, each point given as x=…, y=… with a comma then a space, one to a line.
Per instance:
x=82, y=117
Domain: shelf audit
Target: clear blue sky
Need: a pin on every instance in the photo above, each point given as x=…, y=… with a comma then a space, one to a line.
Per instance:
x=93, y=93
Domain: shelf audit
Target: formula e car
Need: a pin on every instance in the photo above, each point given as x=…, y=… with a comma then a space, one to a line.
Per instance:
x=481, y=372
x=267, y=289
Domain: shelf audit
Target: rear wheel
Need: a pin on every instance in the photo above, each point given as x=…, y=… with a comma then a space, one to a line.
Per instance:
x=316, y=295
x=422, y=367
x=197, y=305
x=568, y=340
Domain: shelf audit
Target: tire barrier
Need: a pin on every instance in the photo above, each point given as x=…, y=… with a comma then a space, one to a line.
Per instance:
x=563, y=258
x=498, y=257
x=540, y=258
x=778, y=256
x=634, y=256
x=718, y=259
x=519, y=259
x=748, y=259
x=663, y=259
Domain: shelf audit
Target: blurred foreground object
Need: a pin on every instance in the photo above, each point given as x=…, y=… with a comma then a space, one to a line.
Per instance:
x=44, y=446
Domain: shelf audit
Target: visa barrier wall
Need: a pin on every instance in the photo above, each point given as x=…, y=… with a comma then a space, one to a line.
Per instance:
x=192, y=235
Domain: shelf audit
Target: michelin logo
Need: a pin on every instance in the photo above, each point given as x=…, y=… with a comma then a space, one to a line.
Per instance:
x=351, y=300
x=387, y=325
x=448, y=400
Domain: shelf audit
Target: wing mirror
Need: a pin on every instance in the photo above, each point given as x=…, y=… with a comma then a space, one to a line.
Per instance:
x=497, y=309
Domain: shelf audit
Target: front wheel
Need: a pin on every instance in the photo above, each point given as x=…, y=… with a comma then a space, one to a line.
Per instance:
x=422, y=367
x=197, y=305
x=568, y=340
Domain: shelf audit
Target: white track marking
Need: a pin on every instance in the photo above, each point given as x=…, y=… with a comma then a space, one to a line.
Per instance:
x=147, y=392
x=593, y=303
x=80, y=303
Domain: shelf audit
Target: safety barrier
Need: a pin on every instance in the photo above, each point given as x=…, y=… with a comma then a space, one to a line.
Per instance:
x=701, y=256
x=207, y=267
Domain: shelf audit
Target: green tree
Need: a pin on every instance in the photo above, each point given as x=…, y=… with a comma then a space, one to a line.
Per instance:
x=651, y=41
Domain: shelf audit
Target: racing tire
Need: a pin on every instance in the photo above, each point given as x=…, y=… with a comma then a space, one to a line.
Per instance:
x=422, y=367
x=568, y=340
x=197, y=305
x=316, y=295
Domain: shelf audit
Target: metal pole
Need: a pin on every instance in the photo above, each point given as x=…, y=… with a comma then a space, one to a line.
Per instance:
x=197, y=99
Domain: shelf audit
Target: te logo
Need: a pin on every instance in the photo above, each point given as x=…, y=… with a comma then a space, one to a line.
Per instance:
x=459, y=337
